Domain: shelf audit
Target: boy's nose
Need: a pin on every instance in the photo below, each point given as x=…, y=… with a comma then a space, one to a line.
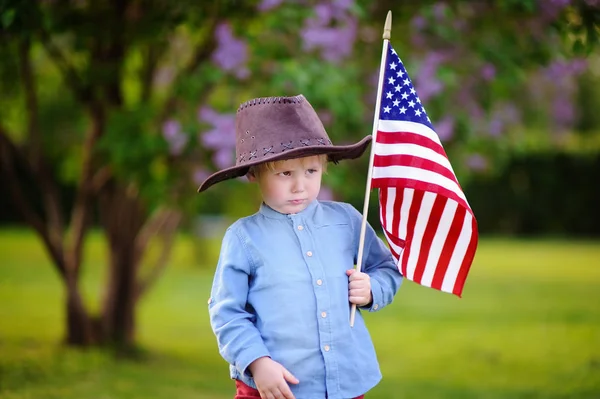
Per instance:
x=298, y=186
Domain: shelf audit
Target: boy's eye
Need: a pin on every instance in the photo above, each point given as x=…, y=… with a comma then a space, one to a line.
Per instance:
x=287, y=173
x=311, y=171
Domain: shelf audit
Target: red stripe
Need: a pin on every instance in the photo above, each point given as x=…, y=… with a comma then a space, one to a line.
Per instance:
x=415, y=162
x=399, y=182
x=399, y=242
x=395, y=230
x=427, y=239
x=409, y=138
x=448, y=249
x=412, y=221
x=467, y=261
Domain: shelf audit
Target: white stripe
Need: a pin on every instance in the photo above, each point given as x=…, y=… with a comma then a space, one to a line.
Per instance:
x=414, y=150
x=438, y=241
x=389, y=207
x=426, y=176
x=420, y=226
x=458, y=254
x=404, y=211
x=392, y=126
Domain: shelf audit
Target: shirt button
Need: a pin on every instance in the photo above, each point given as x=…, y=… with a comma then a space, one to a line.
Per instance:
x=326, y=347
x=323, y=314
x=300, y=227
x=375, y=307
x=309, y=253
x=319, y=282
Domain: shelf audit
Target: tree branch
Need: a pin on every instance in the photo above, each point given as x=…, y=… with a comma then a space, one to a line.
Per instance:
x=49, y=191
x=81, y=207
x=164, y=224
x=201, y=54
x=11, y=160
x=80, y=90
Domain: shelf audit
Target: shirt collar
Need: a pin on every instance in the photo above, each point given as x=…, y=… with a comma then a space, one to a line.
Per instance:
x=269, y=212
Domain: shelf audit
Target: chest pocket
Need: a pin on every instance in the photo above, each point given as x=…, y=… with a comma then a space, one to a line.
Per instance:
x=337, y=247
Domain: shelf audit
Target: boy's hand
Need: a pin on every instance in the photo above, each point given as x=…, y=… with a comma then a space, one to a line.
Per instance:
x=271, y=379
x=359, y=288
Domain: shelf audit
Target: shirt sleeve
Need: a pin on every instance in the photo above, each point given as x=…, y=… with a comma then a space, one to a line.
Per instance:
x=378, y=263
x=239, y=340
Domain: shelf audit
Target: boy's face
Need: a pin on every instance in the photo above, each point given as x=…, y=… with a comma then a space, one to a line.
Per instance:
x=292, y=186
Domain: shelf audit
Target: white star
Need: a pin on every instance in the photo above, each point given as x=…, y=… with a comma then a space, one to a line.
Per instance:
x=411, y=104
x=418, y=112
x=388, y=94
x=398, y=88
x=412, y=90
x=428, y=120
x=402, y=110
x=399, y=74
x=391, y=80
x=396, y=103
x=393, y=65
x=404, y=96
x=418, y=100
x=386, y=110
x=406, y=82
x=394, y=52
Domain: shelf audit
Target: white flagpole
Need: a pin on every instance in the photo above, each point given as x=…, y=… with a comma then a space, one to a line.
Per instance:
x=387, y=30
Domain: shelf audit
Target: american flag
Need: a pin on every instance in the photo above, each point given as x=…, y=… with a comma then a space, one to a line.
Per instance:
x=428, y=223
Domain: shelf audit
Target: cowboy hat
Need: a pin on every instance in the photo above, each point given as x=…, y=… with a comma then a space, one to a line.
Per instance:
x=279, y=128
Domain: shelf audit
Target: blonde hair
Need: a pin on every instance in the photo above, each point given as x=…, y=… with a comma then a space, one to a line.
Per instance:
x=270, y=166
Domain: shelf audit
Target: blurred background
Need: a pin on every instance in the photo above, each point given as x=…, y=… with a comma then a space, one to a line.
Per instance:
x=113, y=112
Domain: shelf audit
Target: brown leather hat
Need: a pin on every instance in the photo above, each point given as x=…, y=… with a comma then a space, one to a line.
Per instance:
x=278, y=128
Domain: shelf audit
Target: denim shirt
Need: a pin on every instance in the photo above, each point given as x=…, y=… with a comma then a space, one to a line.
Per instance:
x=281, y=290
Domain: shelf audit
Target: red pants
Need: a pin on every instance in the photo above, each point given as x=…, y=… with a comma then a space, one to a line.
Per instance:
x=243, y=391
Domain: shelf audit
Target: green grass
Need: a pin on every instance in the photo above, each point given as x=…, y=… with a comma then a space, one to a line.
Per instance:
x=528, y=326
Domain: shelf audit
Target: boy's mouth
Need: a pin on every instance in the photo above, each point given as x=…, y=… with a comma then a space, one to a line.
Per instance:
x=297, y=202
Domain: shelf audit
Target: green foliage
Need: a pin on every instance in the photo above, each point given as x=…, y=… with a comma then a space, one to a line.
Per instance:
x=524, y=328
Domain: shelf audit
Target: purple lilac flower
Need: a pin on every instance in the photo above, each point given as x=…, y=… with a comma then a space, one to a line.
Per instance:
x=418, y=22
x=266, y=5
x=199, y=175
x=439, y=10
x=334, y=42
x=550, y=9
x=223, y=133
x=426, y=82
x=221, y=138
x=231, y=53
x=174, y=137
x=488, y=72
x=477, y=162
x=223, y=158
x=445, y=128
x=495, y=127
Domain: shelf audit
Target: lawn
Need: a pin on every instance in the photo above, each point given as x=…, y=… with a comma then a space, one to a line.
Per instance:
x=528, y=326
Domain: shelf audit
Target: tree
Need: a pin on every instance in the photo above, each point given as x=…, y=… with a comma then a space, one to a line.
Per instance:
x=121, y=100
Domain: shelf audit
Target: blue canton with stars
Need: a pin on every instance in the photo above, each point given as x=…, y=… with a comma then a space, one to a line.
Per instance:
x=399, y=100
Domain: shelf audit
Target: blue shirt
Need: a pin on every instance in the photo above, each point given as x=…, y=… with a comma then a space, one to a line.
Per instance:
x=281, y=290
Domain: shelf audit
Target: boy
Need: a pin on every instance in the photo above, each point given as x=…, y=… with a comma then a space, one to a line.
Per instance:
x=281, y=296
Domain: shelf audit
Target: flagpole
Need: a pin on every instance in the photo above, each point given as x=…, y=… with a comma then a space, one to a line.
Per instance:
x=387, y=32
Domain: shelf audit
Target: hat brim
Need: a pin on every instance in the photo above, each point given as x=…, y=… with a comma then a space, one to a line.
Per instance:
x=334, y=153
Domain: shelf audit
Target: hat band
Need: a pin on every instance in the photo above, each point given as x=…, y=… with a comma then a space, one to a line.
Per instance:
x=254, y=155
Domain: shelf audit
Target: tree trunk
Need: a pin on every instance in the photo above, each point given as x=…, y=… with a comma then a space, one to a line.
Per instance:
x=80, y=331
x=122, y=216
